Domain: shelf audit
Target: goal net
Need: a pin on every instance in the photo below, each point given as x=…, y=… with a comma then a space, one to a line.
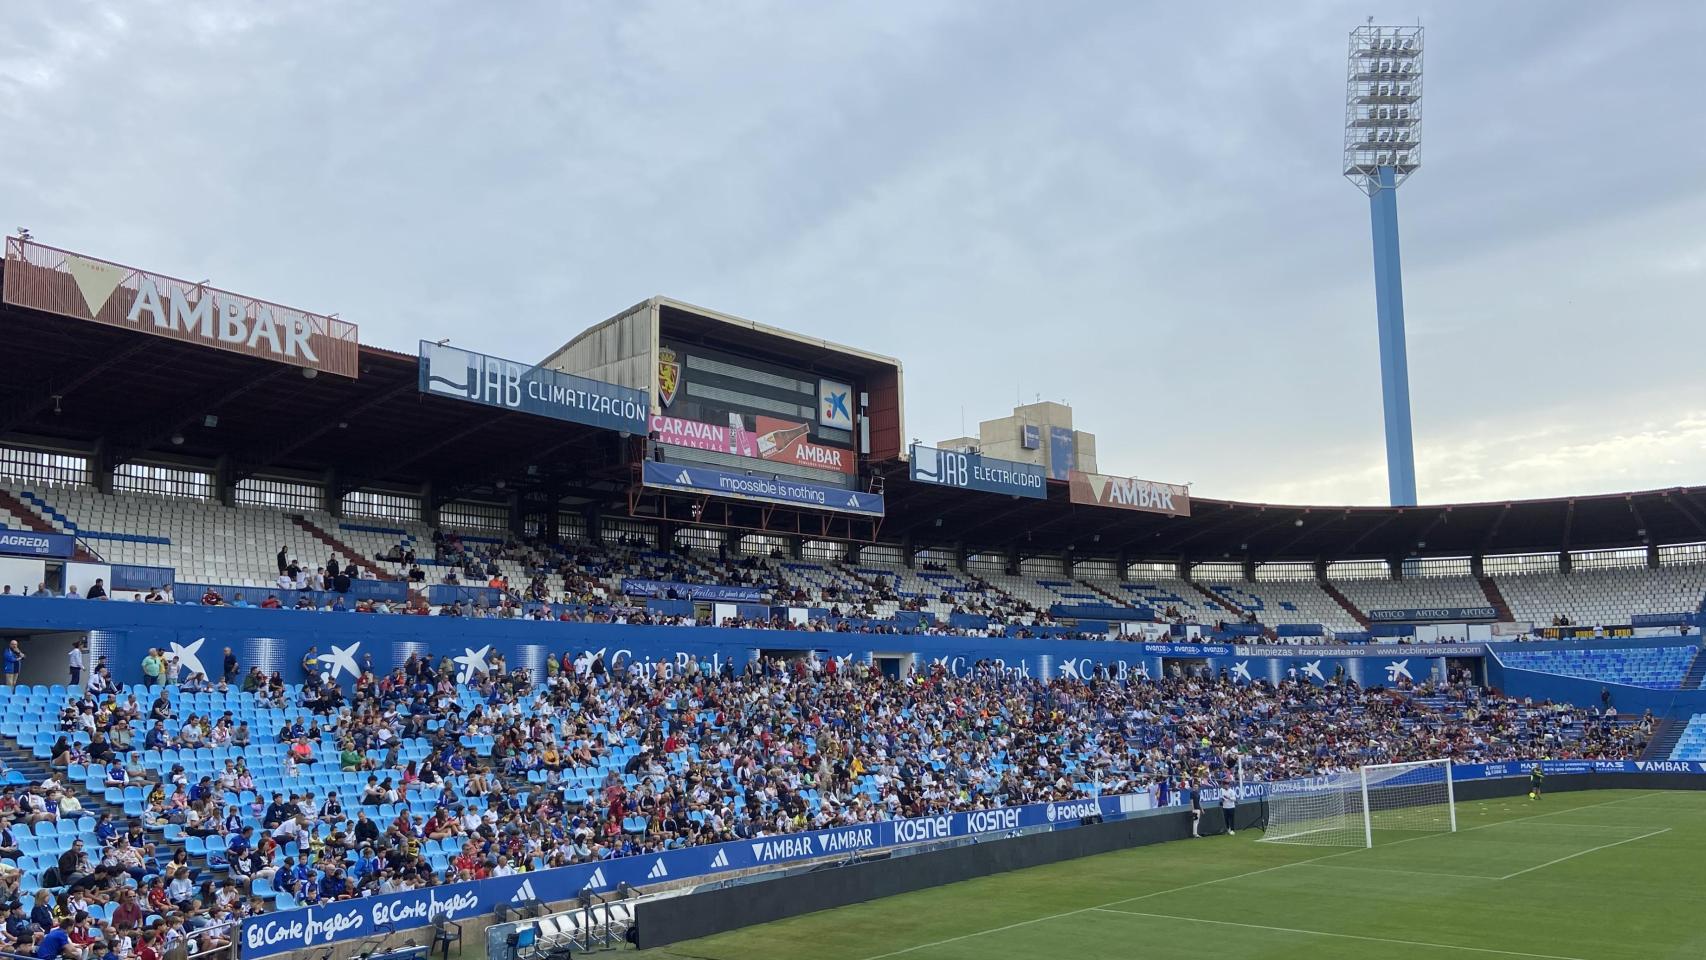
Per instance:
x=1382, y=802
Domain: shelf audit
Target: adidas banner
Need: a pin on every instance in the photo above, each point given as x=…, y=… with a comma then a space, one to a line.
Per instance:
x=320, y=926
x=770, y=489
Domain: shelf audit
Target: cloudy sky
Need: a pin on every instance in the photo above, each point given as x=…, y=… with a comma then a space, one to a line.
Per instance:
x=1132, y=207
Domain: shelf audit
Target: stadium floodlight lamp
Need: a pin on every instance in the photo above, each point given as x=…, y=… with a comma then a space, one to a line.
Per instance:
x=1383, y=106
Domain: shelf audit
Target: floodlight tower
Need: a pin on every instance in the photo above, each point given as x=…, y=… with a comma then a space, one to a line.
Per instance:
x=1383, y=140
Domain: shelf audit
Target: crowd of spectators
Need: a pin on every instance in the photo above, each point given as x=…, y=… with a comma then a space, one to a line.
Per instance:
x=589, y=763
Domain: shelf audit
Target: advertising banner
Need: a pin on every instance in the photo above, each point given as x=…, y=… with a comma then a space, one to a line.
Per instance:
x=834, y=404
x=788, y=441
x=635, y=587
x=1030, y=437
x=1101, y=490
x=971, y=471
x=28, y=543
x=320, y=926
x=1062, y=453
x=1434, y=614
x=795, y=493
x=1660, y=620
x=507, y=385
x=85, y=288
x=777, y=440
x=1364, y=650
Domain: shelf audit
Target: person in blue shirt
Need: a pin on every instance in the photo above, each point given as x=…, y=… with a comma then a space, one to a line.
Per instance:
x=11, y=661
x=57, y=944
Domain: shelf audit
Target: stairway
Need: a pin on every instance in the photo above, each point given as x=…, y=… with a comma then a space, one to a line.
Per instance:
x=342, y=548
x=1116, y=601
x=1216, y=600
x=29, y=518
x=1344, y=601
x=1665, y=738
x=1496, y=600
x=18, y=757
x=1696, y=671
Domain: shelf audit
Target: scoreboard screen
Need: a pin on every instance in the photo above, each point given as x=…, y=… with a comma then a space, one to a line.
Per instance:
x=737, y=408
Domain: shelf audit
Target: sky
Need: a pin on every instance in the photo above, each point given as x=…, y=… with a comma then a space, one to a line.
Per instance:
x=1134, y=208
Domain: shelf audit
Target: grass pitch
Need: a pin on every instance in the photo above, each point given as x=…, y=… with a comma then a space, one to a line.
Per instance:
x=1592, y=875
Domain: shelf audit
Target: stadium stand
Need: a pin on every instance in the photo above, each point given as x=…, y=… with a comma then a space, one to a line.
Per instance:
x=1691, y=744
x=1604, y=597
x=1287, y=602
x=1413, y=593
x=263, y=794
x=1657, y=668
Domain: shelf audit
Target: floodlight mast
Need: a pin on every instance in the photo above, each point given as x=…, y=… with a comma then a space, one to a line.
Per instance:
x=1383, y=141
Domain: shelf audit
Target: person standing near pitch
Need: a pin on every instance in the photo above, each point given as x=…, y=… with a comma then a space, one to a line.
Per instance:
x=1196, y=811
x=1229, y=805
x=1535, y=778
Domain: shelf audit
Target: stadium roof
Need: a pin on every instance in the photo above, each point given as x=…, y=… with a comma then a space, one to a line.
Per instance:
x=79, y=384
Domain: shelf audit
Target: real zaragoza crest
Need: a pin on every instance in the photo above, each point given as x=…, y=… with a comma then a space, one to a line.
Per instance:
x=669, y=376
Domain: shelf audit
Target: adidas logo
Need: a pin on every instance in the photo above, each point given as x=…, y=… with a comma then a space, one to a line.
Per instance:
x=684, y=478
x=596, y=880
x=720, y=861
x=853, y=501
x=659, y=871
x=524, y=894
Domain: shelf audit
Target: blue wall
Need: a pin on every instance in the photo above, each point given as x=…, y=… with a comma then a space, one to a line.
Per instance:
x=278, y=639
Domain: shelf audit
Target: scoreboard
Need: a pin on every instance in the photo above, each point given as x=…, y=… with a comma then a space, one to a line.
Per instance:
x=732, y=410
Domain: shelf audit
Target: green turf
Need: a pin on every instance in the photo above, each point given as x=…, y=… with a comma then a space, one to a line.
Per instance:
x=1521, y=878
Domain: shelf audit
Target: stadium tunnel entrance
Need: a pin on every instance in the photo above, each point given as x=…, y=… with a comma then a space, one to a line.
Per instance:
x=46, y=654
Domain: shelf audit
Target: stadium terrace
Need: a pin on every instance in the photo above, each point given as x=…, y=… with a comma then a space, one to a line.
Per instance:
x=424, y=652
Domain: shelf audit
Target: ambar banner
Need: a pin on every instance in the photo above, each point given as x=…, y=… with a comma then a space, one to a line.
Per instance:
x=1101, y=490
x=971, y=471
x=495, y=382
x=85, y=288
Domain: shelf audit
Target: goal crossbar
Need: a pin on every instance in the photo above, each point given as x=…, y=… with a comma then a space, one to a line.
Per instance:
x=1353, y=808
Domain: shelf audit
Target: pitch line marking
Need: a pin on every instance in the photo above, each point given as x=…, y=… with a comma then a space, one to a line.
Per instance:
x=1340, y=936
x=1240, y=876
x=1603, y=846
x=1407, y=873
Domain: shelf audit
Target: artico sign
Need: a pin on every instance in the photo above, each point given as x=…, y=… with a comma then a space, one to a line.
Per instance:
x=84, y=288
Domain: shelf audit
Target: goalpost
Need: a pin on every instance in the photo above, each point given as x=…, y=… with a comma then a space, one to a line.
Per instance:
x=1346, y=809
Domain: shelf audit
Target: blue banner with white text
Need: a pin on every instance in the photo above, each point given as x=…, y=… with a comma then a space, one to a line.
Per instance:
x=277, y=933
x=478, y=378
x=972, y=471
x=636, y=587
x=768, y=488
x=28, y=543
